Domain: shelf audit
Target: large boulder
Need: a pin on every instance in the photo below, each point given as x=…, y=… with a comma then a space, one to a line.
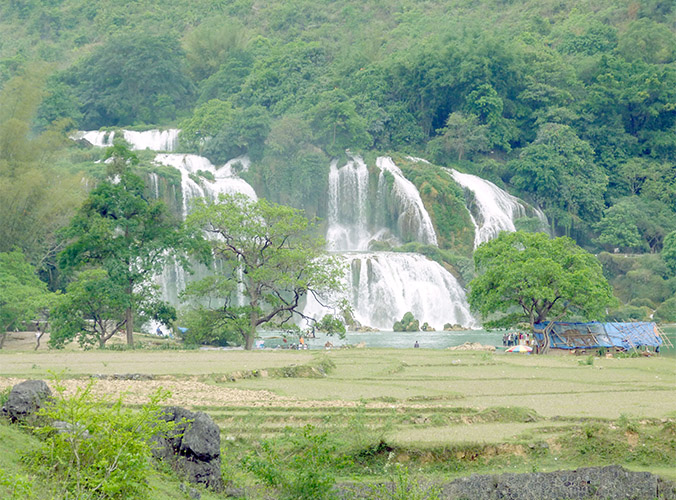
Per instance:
x=581, y=484
x=25, y=399
x=193, y=448
x=588, y=483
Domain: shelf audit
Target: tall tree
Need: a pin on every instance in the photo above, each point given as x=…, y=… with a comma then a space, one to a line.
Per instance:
x=121, y=231
x=270, y=256
x=528, y=277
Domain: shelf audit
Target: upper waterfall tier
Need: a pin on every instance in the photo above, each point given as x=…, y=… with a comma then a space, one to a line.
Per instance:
x=155, y=140
x=494, y=210
x=364, y=208
x=412, y=217
x=195, y=185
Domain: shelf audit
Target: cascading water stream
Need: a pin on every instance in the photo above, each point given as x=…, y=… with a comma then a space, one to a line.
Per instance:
x=496, y=209
x=411, y=215
x=195, y=183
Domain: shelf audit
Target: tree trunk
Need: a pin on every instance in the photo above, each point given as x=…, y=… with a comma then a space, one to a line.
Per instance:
x=249, y=340
x=2, y=338
x=250, y=336
x=129, y=317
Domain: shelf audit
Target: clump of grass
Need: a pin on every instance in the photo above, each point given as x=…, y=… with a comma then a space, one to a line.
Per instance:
x=506, y=414
x=588, y=361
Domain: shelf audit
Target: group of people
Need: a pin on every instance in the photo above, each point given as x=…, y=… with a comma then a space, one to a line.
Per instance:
x=516, y=338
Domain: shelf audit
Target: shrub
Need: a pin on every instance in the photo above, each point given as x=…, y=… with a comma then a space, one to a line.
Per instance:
x=298, y=466
x=94, y=447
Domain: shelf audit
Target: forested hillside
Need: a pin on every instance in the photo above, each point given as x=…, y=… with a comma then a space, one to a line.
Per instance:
x=570, y=104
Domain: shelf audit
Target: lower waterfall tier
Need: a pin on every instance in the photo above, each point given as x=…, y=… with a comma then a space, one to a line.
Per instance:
x=383, y=286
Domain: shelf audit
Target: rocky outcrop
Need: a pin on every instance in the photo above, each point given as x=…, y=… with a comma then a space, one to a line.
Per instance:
x=25, y=399
x=193, y=448
x=582, y=484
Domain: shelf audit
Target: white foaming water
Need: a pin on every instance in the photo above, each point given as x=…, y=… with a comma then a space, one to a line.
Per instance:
x=190, y=167
x=348, y=199
x=383, y=286
x=496, y=208
x=155, y=140
x=412, y=217
x=397, y=212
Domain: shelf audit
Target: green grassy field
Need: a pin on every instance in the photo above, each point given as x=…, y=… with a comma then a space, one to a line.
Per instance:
x=443, y=413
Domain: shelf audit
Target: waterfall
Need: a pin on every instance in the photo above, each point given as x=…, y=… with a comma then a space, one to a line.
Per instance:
x=412, y=217
x=154, y=180
x=383, y=286
x=359, y=213
x=155, y=140
x=201, y=179
x=348, y=206
x=495, y=209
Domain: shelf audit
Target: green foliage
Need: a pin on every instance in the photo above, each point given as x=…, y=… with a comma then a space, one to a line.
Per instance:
x=407, y=324
x=91, y=311
x=96, y=448
x=445, y=202
x=300, y=467
x=331, y=325
x=206, y=324
x=404, y=486
x=462, y=136
x=558, y=169
x=530, y=277
x=244, y=133
x=37, y=199
x=135, y=77
x=336, y=124
x=206, y=121
x=268, y=251
x=668, y=253
x=666, y=312
x=132, y=238
x=16, y=486
x=211, y=43
x=293, y=171
x=22, y=294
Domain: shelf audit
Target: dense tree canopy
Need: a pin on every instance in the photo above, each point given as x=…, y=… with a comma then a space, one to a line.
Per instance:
x=131, y=78
x=528, y=277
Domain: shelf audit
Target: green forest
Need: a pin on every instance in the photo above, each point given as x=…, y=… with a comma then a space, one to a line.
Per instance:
x=568, y=104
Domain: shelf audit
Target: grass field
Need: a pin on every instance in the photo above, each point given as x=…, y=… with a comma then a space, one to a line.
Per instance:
x=443, y=413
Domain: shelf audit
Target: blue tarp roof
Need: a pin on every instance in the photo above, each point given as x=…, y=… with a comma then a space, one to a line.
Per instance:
x=596, y=335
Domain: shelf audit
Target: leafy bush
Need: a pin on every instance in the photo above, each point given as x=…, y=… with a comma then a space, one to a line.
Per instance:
x=406, y=487
x=95, y=447
x=298, y=466
x=407, y=324
x=18, y=487
x=666, y=312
